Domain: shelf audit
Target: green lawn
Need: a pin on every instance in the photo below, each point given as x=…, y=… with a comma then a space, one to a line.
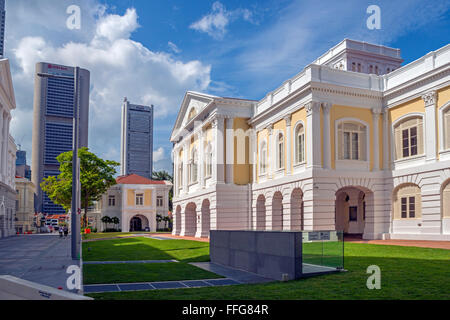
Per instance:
x=406, y=273
x=143, y=272
x=141, y=248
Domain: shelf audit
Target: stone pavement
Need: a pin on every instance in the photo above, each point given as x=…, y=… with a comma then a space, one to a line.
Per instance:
x=38, y=258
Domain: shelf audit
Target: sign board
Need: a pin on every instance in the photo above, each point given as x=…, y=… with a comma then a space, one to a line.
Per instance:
x=319, y=235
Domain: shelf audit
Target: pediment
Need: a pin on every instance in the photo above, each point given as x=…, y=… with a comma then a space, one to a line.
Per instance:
x=6, y=86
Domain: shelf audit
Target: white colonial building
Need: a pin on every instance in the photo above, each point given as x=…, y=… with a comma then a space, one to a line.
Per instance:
x=136, y=201
x=8, y=151
x=354, y=142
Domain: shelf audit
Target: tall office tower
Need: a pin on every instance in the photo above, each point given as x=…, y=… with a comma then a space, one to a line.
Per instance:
x=22, y=169
x=53, y=123
x=137, y=140
x=2, y=27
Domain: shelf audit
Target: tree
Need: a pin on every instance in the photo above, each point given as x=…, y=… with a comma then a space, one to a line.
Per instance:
x=106, y=220
x=159, y=219
x=116, y=222
x=96, y=177
x=164, y=176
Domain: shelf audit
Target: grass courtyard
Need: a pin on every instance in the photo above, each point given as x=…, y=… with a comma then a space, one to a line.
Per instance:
x=406, y=273
x=140, y=248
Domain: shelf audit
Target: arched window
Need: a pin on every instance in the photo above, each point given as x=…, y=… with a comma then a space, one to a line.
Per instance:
x=352, y=141
x=409, y=138
x=407, y=203
x=193, y=167
x=263, y=158
x=209, y=160
x=446, y=122
x=280, y=151
x=299, y=144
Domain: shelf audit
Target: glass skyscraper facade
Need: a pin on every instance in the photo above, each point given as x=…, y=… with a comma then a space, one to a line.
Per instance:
x=53, y=123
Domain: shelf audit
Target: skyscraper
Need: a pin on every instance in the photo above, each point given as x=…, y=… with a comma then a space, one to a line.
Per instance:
x=53, y=123
x=137, y=140
x=2, y=27
x=22, y=169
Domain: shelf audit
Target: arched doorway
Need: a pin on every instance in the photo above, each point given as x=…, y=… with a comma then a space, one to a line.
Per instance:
x=190, y=220
x=260, y=213
x=350, y=210
x=446, y=208
x=139, y=223
x=277, y=211
x=297, y=210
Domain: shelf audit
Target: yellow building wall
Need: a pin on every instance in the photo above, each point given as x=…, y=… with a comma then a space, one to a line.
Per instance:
x=339, y=112
x=130, y=198
x=147, y=198
x=242, y=172
x=297, y=116
x=416, y=105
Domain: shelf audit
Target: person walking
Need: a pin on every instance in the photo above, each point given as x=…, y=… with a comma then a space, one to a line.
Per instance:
x=66, y=231
x=61, y=230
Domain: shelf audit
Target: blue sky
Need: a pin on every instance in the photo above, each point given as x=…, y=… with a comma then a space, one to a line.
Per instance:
x=154, y=51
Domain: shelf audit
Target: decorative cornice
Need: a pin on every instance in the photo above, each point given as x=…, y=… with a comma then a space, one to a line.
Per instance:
x=377, y=111
x=326, y=107
x=429, y=98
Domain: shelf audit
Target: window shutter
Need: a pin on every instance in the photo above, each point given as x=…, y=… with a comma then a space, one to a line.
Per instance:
x=340, y=144
x=420, y=137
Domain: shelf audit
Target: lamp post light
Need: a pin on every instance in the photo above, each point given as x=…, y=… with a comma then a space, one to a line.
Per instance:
x=76, y=200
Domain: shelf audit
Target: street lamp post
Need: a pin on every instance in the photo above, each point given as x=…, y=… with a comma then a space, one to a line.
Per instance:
x=75, y=221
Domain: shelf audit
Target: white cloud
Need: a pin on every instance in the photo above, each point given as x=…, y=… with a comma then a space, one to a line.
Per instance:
x=158, y=155
x=119, y=67
x=173, y=47
x=215, y=23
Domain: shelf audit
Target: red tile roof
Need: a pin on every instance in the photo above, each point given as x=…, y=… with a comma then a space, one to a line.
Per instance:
x=135, y=179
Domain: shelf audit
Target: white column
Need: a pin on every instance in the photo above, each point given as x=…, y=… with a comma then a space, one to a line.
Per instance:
x=230, y=150
x=253, y=153
x=430, y=125
x=218, y=161
x=201, y=157
x=288, y=144
x=185, y=165
x=386, y=134
x=313, y=135
x=376, y=140
x=326, y=136
x=270, y=152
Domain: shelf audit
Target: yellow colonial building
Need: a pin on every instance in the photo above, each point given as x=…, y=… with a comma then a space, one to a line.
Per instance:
x=135, y=201
x=354, y=142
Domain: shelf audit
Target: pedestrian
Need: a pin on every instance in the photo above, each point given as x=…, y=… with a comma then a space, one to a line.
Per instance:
x=61, y=230
x=66, y=231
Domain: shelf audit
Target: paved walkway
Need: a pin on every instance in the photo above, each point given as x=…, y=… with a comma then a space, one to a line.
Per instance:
x=131, y=261
x=403, y=243
x=38, y=258
x=119, y=287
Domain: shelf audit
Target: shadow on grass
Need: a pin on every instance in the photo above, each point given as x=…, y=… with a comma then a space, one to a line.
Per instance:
x=141, y=248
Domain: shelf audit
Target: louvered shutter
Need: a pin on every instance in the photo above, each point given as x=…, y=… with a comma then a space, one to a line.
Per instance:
x=420, y=137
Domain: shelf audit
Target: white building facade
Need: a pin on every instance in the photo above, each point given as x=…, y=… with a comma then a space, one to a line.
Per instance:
x=354, y=143
x=8, y=151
